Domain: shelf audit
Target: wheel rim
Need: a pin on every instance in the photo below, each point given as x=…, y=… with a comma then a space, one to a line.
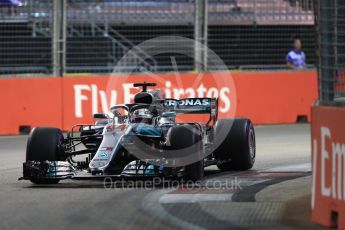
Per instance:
x=251, y=143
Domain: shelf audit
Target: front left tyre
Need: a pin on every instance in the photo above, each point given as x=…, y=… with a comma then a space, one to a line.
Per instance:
x=44, y=144
x=187, y=140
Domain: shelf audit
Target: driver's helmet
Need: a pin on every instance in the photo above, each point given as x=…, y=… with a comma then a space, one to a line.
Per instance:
x=143, y=116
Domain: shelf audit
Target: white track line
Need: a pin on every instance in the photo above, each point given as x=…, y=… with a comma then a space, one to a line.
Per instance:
x=306, y=167
x=193, y=198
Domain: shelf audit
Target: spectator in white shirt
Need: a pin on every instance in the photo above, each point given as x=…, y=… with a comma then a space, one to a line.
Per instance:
x=295, y=59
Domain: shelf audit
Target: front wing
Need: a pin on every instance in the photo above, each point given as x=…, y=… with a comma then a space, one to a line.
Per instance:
x=64, y=170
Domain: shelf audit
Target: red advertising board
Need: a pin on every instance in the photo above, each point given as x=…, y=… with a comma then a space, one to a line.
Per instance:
x=264, y=97
x=328, y=164
x=30, y=101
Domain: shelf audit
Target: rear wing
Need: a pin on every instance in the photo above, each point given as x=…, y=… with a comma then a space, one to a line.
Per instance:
x=194, y=106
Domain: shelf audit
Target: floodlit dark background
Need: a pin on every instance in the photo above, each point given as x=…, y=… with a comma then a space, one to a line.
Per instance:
x=47, y=47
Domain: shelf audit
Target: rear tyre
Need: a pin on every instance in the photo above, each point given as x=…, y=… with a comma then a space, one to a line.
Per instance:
x=44, y=144
x=237, y=150
x=187, y=138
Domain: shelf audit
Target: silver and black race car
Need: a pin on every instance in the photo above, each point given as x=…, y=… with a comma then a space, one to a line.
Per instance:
x=140, y=140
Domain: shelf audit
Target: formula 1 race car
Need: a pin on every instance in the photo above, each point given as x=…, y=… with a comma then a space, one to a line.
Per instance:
x=142, y=139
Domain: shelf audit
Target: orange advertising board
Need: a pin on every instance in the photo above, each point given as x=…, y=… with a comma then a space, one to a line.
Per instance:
x=264, y=97
x=30, y=101
x=328, y=166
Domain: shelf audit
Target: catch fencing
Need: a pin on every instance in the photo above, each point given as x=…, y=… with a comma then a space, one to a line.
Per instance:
x=55, y=37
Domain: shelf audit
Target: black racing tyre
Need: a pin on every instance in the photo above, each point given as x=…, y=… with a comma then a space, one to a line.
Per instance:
x=237, y=149
x=185, y=137
x=195, y=171
x=44, y=144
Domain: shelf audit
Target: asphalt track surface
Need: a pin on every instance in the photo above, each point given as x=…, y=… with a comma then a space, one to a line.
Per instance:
x=275, y=194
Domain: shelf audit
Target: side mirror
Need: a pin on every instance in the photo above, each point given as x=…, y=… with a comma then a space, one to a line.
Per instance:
x=100, y=116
